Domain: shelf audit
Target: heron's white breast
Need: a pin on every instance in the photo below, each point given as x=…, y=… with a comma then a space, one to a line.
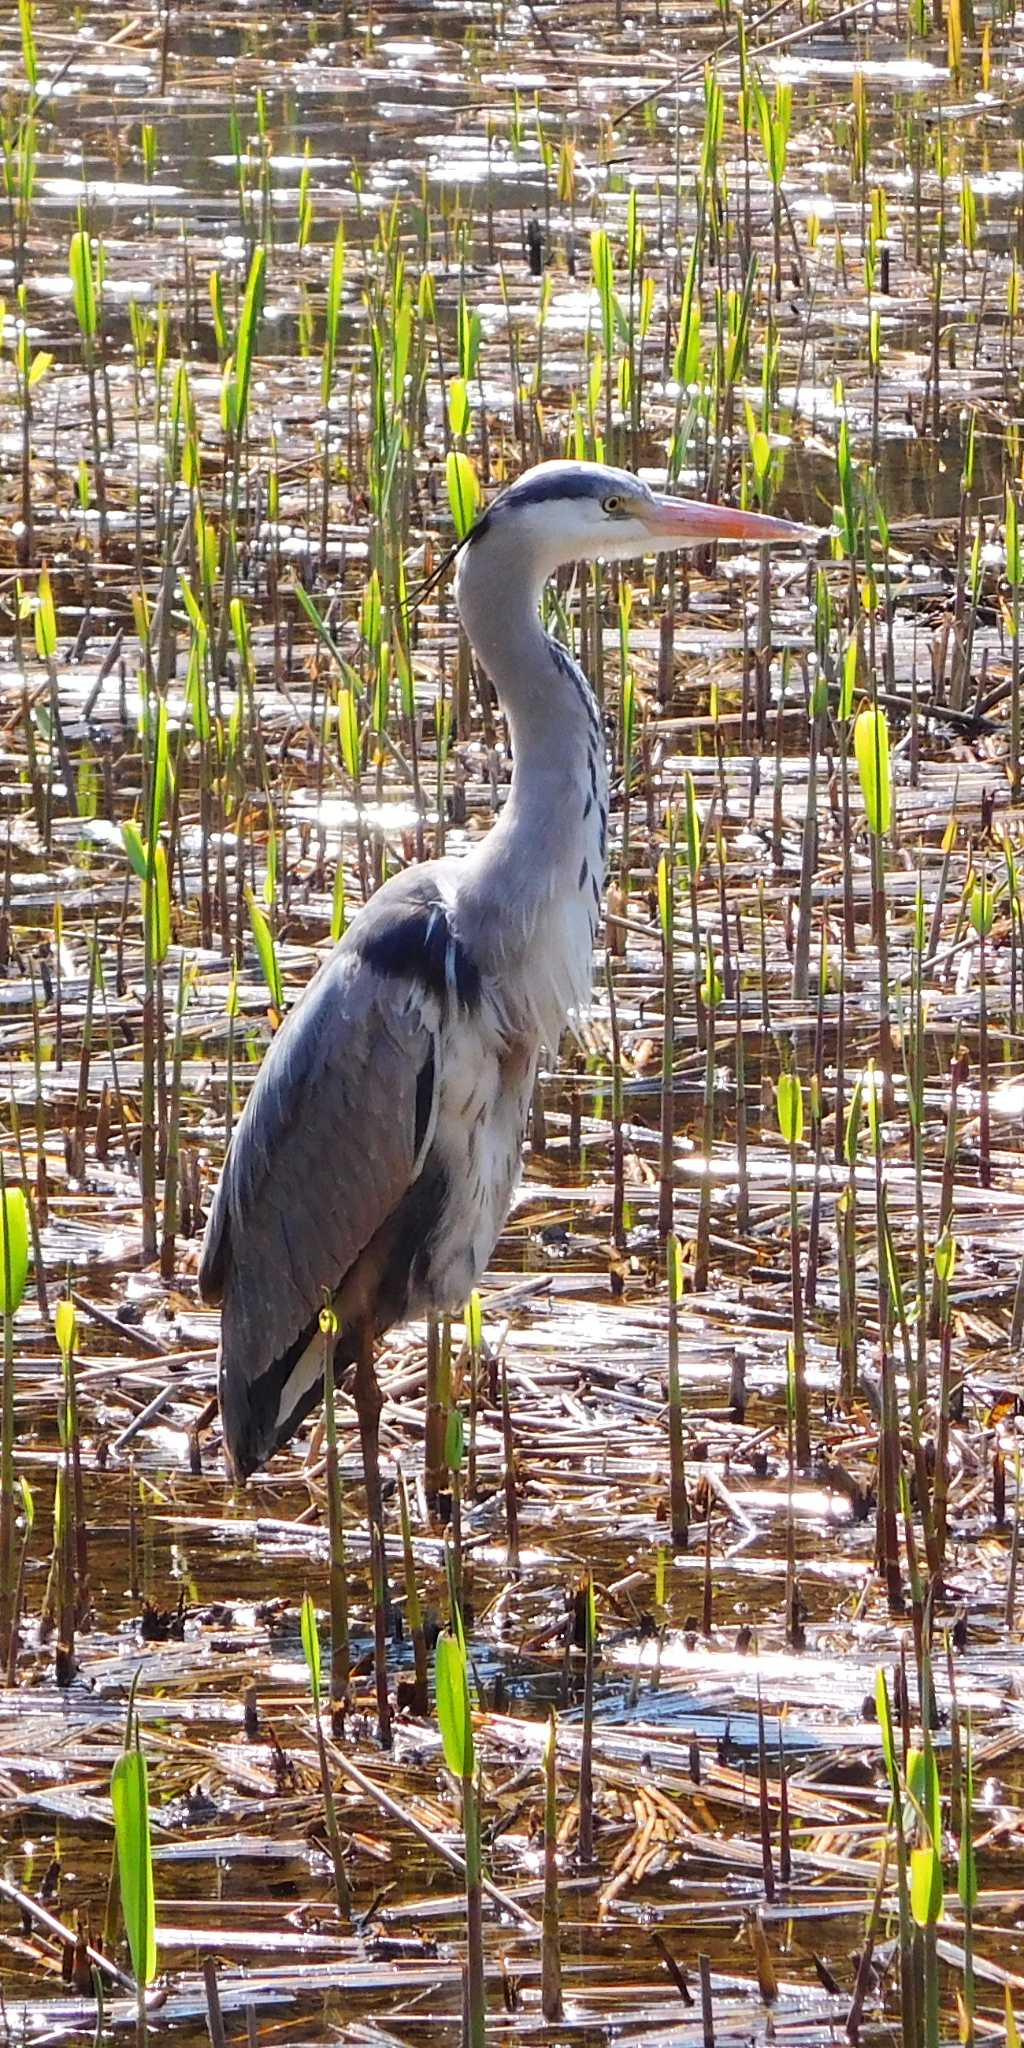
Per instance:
x=483, y=1098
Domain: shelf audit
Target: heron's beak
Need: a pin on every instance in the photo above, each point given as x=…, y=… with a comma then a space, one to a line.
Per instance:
x=686, y=522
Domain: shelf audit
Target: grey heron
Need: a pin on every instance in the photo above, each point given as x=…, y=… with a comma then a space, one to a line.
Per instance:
x=376, y=1157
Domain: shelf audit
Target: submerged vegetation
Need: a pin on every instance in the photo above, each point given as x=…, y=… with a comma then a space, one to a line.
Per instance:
x=704, y=1521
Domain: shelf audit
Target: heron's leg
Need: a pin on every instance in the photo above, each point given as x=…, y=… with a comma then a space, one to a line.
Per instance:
x=369, y=1402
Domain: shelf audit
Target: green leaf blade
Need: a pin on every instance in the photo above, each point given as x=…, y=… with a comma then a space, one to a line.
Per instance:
x=451, y=1681
x=13, y=1250
x=129, y=1794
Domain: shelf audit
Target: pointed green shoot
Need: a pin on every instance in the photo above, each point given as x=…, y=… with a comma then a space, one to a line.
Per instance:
x=13, y=1250
x=451, y=1679
x=266, y=950
x=310, y=1635
x=790, y=1103
x=129, y=1794
x=463, y=490
x=871, y=746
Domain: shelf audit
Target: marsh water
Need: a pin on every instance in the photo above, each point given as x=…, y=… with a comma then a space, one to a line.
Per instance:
x=481, y=148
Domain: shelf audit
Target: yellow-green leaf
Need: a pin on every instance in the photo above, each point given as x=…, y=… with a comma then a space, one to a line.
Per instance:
x=310, y=1645
x=1012, y=2029
x=45, y=618
x=790, y=1100
x=451, y=1681
x=65, y=1323
x=871, y=746
x=156, y=905
x=83, y=283
x=135, y=847
x=982, y=908
x=348, y=733
x=674, y=1261
x=665, y=895
x=463, y=490
x=129, y=1794
x=267, y=952
x=925, y=1887
x=13, y=1250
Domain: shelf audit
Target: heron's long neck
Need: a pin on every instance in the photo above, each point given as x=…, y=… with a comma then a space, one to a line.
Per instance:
x=536, y=879
x=499, y=594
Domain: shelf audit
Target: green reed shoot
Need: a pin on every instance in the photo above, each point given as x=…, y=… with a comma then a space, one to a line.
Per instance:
x=711, y=995
x=86, y=274
x=236, y=390
x=551, y=1956
x=775, y=118
x=666, y=919
x=129, y=1795
x=172, y=1144
x=14, y=1240
x=28, y=1516
x=603, y=268
x=899, y=1824
x=1015, y=579
x=30, y=367
x=454, y=1457
x=982, y=914
x=679, y=1511
x=455, y=1720
x=944, y=1260
x=473, y=1318
x=463, y=491
x=65, y=1325
x=18, y=147
x=789, y=1099
x=266, y=952
x=310, y=1636
x=926, y=1886
x=871, y=747
x=967, y=1874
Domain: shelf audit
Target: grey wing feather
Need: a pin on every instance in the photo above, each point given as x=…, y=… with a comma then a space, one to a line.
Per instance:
x=323, y=1152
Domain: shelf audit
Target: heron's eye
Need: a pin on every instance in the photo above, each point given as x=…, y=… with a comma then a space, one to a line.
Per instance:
x=615, y=506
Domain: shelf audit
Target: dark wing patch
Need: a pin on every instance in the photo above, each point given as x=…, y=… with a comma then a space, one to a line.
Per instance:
x=321, y=1158
x=387, y=1280
x=418, y=944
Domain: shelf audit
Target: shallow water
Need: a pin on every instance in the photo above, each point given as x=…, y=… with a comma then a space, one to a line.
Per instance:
x=419, y=114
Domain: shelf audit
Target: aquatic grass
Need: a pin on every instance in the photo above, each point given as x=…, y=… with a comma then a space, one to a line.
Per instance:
x=294, y=745
x=551, y=1959
x=310, y=1635
x=790, y=1108
x=775, y=118
x=871, y=747
x=679, y=1514
x=14, y=1244
x=86, y=272
x=454, y=1715
x=129, y=1796
x=666, y=918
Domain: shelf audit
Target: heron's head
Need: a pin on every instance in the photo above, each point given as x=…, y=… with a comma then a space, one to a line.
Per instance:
x=563, y=512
